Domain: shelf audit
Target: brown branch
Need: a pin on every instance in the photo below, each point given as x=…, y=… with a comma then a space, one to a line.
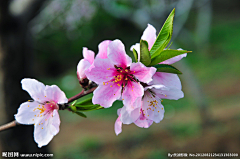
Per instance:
x=81, y=94
x=8, y=125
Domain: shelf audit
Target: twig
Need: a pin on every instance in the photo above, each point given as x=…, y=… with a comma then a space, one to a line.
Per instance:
x=81, y=94
x=8, y=125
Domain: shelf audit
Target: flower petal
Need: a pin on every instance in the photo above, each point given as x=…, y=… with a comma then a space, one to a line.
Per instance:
x=137, y=48
x=54, y=93
x=152, y=107
x=118, y=126
x=102, y=49
x=27, y=113
x=42, y=131
x=171, y=93
x=88, y=55
x=127, y=117
x=174, y=59
x=117, y=54
x=142, y=121
x=143, y=73
x=46, y=128
x=105, y=95
x=102, y=71
x=54, y=122
x=149, y=35
x=169, y=80
x=34, y=88
x=82, y=66
x=131, y=93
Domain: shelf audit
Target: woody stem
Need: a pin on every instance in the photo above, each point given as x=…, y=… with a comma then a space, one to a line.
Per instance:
x=81, y=94
x=8, y=125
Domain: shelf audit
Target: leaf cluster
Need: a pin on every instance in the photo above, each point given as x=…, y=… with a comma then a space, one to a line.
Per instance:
x=158, y=53
x=84, y=104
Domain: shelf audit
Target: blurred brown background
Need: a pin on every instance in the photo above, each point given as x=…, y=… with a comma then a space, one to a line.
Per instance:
x=44, y=40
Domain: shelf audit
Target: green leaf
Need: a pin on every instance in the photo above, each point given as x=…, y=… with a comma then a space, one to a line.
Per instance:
x=73, y=108
x=164, y=36
x=135, y=55
x=74, y=102
x=145, y=56
x=81, y=114
x=88, y=107
x=167, y=68
x=86, y=99
x=167, y=54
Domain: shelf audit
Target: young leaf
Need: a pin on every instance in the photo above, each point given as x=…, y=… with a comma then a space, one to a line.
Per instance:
x=73, y=108
x=145, y=56
x=167, y=54
x=81, y=114
x=164, y=36
x=86, y=99
x=167, y=68
x=135, y=55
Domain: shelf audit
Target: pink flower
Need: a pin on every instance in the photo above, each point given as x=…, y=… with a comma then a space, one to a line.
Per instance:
x=151, y=110
x=169, y=80
x=88, y=59
x=163, y=85
x=118, y=77
x=85, y=63
x=43, y=111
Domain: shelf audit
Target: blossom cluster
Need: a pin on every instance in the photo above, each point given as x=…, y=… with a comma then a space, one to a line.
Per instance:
x=112, y=74
x=140, y=88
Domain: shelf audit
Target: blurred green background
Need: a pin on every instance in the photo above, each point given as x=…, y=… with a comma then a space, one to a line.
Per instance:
x=205, y=120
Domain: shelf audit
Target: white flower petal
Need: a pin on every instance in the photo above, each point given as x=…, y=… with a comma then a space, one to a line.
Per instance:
x=46, y=128
x=34, y=88
x=28, y=113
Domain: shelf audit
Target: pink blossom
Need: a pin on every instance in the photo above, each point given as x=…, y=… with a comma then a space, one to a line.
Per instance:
x=42, y=111
x=85, y=63
x=151, y=110
x=88, y=59
x=118, y=77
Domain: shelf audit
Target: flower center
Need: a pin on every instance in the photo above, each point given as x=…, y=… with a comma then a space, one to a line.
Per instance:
x=122, y=76
x=45, y=108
